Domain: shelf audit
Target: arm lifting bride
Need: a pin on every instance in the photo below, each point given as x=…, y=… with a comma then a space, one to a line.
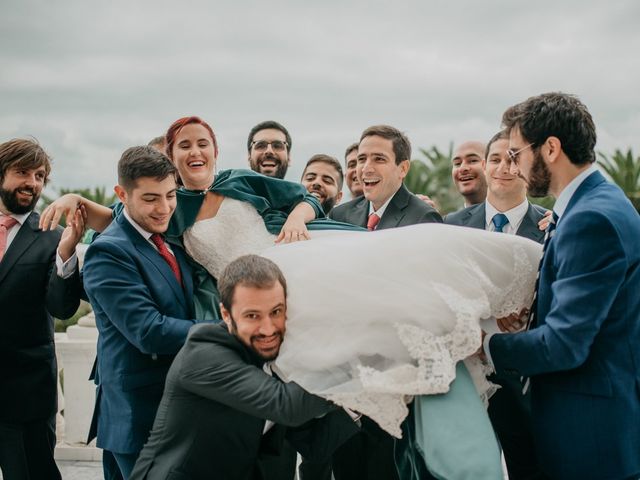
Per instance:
x=366, y=334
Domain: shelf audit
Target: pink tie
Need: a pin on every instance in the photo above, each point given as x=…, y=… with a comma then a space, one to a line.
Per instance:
x=6, y=223
x=373, y=221
x=168, y=257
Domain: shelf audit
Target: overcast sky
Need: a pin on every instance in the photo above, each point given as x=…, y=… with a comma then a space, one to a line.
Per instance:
x=89, y=79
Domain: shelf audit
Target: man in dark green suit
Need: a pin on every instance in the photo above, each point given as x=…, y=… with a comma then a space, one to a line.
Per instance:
x=507, y=210
x=223, y=413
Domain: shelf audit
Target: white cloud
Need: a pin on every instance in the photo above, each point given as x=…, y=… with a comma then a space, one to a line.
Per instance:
x=89, y=79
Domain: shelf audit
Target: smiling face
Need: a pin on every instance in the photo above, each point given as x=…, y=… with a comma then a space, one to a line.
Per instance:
x=467, y=172
x=150, y=203
x=501, y=183
x=265, y=156
x=377, y=170
x=322, y=181
x=194, y=155
x=21, y=189
x=351, y=175
x=257, y=318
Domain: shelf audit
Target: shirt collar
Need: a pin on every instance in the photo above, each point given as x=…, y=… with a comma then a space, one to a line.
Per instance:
x=20, y=218
x=381, y=210
x=515, y=215
x=146, y=235
x=565, y=196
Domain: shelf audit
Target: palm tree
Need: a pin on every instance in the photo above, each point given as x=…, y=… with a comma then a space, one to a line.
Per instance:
x=624, y=170
x=432, y=176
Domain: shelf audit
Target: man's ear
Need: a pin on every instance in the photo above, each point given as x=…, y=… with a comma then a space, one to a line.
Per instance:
x=338, y=198
x=226, y=316
x=404, y=168
x=553, y=149
x=121, y=193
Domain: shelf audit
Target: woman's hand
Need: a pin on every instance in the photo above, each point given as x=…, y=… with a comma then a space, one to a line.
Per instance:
x=544, y=222
x=95, y=216
x=293, y=231
x=295, y=228
x=65, y=205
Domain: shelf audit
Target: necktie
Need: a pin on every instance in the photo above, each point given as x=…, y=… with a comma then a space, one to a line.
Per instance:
x=372, y=222
x=168, y=257
x=534, y=305
x=6, y=222
x=499, y=221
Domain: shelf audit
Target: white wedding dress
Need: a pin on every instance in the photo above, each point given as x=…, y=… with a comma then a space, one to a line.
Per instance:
x=377, y=317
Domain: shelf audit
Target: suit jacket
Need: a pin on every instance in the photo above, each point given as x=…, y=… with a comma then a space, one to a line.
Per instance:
x=475, y=217
x=143, y=316
x=212, y=416
x=509, y=410
x=583, y=356
x=30, y=292
x=404, y=209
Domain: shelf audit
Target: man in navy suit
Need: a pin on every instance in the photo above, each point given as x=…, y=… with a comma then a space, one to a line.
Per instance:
x=580, y=354
x=507, y=210
x=140, y=290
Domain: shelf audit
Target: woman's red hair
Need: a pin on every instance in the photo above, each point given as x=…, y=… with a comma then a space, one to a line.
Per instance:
x=179, y=124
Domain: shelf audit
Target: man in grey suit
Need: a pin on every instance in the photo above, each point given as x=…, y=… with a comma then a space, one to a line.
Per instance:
x=384, y=155
x=383, y=159
x=223, y=413
x=507, y=210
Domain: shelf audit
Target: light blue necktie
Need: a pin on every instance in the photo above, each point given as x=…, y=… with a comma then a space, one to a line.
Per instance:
x=499, y=220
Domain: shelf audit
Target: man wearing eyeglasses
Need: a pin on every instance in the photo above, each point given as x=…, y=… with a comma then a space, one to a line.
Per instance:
x=579, y=354
x=269, y=146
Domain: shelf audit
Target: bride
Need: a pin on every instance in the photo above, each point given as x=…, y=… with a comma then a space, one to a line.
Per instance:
x=374, y=318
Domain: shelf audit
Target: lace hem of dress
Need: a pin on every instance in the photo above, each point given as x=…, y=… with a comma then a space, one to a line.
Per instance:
x=385, y=393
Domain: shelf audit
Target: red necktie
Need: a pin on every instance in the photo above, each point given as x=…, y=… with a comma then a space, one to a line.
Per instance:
x=6, y=222
x=168, y=257
x=372, y=222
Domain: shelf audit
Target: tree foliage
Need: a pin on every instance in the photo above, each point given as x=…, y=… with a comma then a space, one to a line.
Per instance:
x=624, y=170
x=431, y=175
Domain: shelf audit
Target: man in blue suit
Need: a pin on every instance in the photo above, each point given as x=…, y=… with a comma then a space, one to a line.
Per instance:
x=580, y=353
x=140, y=290
x=506, y=210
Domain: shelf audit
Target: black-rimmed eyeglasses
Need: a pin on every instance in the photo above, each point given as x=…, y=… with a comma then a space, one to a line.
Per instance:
x=262, y=145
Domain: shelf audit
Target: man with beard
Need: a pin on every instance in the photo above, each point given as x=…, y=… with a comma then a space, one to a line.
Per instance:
x=323, y=179
x=467, y=172
x=223, y=412
x=35, y=283
x=579, y=354
x=269, y=146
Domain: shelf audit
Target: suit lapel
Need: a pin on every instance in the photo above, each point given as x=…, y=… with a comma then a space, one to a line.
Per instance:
x=476, y=217
x=589, y=183
x=360, y=213
x=27, y=234
x=529, y=226
x=154, y=258
x=395, y=210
